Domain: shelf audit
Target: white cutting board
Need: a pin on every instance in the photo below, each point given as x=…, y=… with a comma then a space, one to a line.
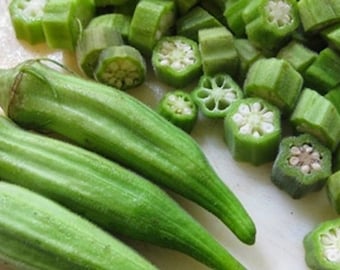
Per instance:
x=281, y=221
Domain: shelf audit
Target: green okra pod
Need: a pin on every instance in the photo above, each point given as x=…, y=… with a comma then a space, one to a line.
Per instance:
x=104, y=192
x=38, y=233
x=118, y=126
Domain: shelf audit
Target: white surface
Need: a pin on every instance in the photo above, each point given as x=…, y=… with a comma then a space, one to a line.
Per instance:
x=281, y=221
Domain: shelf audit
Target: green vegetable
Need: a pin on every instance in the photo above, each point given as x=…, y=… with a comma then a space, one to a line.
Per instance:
x=316, y=115
x=104, y=3
x=214, y=94
x=322, y=246
x=276, y=81
x=180, y=109
x=37, y=233
x=234, y=17
x=63, y=21
x=26, y=17
x=218, y=51
x=333, y=96
x=269, y=23
x=118, y=126
x=122, y=67
x=318, y=14
x=197, y=18
x=176, y=61
x=302, y=165
x=184, y=6
x=91, y=43
x=332, y=35
x=323, y=74
x=103, y=192
x=333, y=187
x=151, y=20
x=252, y=130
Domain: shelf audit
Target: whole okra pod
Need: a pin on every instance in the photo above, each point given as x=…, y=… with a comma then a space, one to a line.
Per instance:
x=116, y=125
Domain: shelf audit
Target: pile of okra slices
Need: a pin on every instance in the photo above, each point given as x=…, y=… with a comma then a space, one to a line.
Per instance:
x=255, y=64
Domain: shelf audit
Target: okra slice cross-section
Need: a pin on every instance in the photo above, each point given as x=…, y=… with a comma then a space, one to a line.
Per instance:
x=214, y=94
x=301, y=166
x=179, y=108
x=252, y=130
x=122, y=67
x=322, y=246
x=176, y=60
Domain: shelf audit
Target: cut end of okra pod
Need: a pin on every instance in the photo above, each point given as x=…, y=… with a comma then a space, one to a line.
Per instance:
x=176, y=61
x=333, y=188
x=122, y=67
x=252, y=130
x=26, y=17
x=322, y=246
x=179, y=108
x=316, y=115
x=302, y=165
x=214, y=94
x=276, y=81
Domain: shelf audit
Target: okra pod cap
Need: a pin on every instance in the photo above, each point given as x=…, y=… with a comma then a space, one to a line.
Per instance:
x=302, y=165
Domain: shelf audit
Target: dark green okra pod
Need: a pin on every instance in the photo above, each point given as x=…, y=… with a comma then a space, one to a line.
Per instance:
x=252, y=130
x=302, y=165
x=118, y=126
x=179, y=108
x=321, y=246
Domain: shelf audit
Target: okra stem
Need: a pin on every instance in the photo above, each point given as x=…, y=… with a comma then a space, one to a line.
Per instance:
x=124, y=129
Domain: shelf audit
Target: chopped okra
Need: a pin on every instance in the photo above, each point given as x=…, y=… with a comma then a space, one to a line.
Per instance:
x=302, y=165
x=218, y=51
x=333, y=188
x=252, y=130
x=151, y=20
x=26, y=17
x=322, y=246
x=214, y=94
x=271, y=22
x=179, y=108
x=176, y=61
x=332, y=35
x=276, y=81
x=122, y=67
x=333, y=96
x=234, y=17
x=316, y=115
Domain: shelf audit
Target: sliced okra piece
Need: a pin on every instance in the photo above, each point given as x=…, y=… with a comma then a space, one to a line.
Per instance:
x=321, y=246
x=122, y=67
x=316, y=115
x=26, y=18
x=216, y=9
x=252, y=130
x=318, y=14
x=333, y=189
x=104, y=3
x=302, y=165
x=218, y=51
x=91, y=43
x=323, y=74
x=276, y=81
x=63, y=21
x=151, y=20
x=247, y=54
x=234, y=17
x=198, y=18
x=176, y=60
x=183, y=6
x=298, y=55
x=179, y=108
x=214, y=94
x=116, y=21
x=333, y=96
x=332, y=35
x=272, y=23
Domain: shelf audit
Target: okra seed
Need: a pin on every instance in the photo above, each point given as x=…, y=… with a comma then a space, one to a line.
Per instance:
x=179, y=105
x=331, y=244
x=306, y=158
x=279, y=12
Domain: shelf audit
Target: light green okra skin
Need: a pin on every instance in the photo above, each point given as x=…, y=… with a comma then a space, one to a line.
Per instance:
x=37, y=233
x=104, y=192
x=115, y=124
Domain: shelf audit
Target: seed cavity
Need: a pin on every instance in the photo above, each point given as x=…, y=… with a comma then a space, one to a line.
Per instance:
x=279, y=12
x=177, y=54
x=32, y=8
x=254, y=119
x=179, y=105
x=305, y=158
x=331, y=245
